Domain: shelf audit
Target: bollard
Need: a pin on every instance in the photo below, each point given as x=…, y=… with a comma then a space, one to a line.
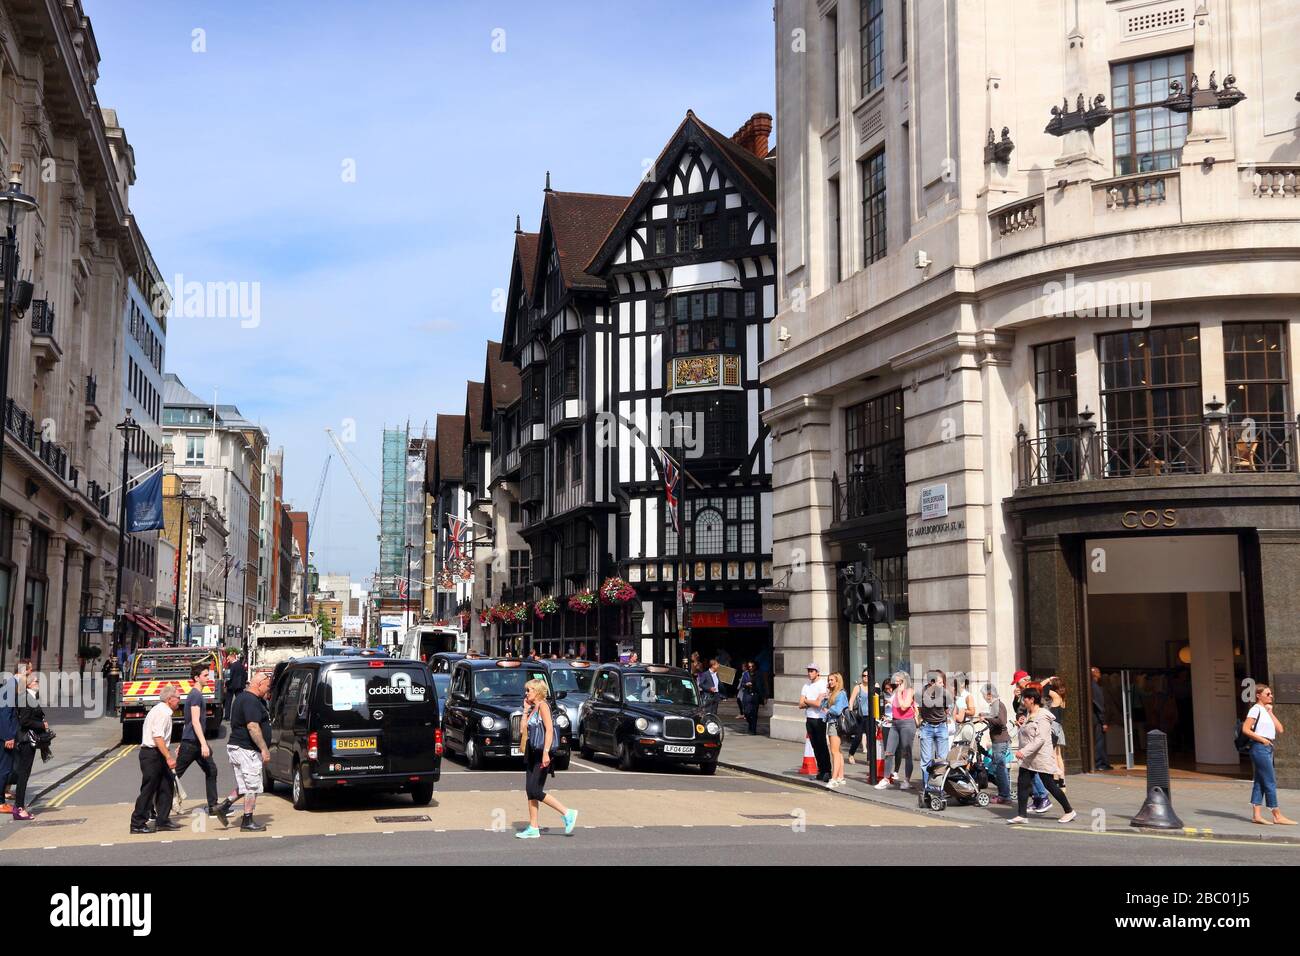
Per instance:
x=1157, y=811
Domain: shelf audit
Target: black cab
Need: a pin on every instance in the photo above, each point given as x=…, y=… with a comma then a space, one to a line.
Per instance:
x=649, y=712
x=355, y=723
x=485, y=704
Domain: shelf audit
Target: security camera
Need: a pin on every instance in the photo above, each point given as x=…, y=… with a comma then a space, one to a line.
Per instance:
x=783, y=336
x=922, y=260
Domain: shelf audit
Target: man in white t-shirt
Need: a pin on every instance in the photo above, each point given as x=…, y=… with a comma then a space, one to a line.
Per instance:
x=810, y=699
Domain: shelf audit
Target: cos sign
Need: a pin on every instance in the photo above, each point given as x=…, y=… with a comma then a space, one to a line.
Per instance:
x=1150, y=518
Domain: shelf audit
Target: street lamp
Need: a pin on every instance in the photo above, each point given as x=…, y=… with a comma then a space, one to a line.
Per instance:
x=128, y=427
x=14, y=204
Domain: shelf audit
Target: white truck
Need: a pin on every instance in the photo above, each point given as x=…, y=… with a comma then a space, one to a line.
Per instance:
x=424, y=640
x=270, y=642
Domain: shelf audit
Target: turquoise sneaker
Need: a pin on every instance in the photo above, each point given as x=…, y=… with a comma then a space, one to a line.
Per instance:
x=570, y=819
x=529, y=833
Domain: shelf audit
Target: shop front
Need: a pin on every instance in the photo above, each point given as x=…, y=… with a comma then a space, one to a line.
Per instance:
x=1185, y=596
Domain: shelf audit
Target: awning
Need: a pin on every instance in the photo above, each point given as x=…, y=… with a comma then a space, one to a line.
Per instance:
x=150, y=625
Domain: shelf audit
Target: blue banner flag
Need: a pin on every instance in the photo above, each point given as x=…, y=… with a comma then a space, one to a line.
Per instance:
x=144, y=505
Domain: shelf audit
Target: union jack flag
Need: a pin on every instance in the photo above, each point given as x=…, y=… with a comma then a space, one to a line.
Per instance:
x=401, y=588
x=671, y=477
x=457, y=529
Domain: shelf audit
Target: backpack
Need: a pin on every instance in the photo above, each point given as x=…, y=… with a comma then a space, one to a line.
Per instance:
x=1241, y=741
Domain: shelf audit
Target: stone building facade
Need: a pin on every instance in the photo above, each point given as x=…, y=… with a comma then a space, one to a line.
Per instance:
x=58, y=535
x=1035, y=352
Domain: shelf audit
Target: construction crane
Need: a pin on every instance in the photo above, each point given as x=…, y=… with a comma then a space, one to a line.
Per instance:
x=315, y=508
x=355, y=479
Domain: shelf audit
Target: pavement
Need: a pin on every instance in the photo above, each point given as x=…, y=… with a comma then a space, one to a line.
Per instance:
x=1209, y=807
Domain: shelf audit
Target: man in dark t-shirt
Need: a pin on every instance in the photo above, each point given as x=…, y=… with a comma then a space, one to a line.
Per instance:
x=249, y=746
x=194, y=742
x=236, y=681
x=936, y=705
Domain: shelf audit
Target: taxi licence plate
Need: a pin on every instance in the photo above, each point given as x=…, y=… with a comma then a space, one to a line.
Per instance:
x=355, y=743
x=678, y=749
x=516, y=752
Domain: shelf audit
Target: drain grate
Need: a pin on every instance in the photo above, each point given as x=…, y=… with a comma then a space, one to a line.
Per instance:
x=57, y=823
x=409, y=818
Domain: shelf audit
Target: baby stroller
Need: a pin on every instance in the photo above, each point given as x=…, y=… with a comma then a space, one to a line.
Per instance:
x=956, y=776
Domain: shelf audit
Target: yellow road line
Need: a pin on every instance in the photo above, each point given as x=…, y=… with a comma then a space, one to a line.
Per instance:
x=62, y=798
x=1161, y=836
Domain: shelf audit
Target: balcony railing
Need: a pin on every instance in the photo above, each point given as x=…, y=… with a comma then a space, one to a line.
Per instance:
x=92, y=389
x=866, y=493
x=42, y=317
x=1212, y=447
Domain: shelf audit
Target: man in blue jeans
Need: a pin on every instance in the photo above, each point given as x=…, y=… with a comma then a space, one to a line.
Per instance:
x=1001, y=739
x=936, y=706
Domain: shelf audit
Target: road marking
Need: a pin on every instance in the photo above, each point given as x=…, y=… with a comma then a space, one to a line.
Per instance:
x=62, y=798
x=1156, y=836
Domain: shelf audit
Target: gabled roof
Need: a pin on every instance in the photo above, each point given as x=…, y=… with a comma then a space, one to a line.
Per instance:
x=473, y=408
x=754, y=177
x=451, y=442
x=501, y=387
x=578, y=223
x=526, y=250
x=431, y=465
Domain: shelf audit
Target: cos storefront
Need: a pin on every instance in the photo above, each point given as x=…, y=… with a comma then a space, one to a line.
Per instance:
x=1181, y=594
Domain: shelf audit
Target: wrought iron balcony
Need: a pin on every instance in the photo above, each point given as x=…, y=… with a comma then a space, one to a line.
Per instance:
x=1211, y=447
x=93, y=413
x=44, y=344
x=869, y=492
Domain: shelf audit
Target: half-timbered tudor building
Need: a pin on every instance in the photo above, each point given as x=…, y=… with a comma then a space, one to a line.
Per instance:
x=507, y=576
x=478, y=499
x=561, y=339
x=449, y=497
x=689, y=269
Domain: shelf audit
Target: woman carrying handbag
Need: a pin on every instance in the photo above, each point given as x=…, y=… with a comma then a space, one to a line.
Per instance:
x=540, y=737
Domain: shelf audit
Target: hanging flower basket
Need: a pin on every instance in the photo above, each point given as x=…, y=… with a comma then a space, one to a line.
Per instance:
x=484, y=618
x=547, y=605
x=518, y=612
x=500, y=612
x=582, y=602
x=616, y=591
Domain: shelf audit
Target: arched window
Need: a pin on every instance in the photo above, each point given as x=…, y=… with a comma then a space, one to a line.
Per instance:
x=708, y=531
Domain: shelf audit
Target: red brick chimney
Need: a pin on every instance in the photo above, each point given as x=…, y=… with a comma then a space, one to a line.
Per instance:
x=753, y=136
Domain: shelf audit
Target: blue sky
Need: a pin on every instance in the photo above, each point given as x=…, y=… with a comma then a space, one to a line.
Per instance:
x=376, y=295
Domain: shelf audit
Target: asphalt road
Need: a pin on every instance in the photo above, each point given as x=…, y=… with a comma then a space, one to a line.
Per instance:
x=671, y=816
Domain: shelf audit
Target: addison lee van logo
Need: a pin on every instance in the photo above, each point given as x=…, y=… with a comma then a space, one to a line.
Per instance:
x=76, y=910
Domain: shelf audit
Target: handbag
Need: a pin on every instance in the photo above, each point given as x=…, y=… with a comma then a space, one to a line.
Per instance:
x=537, y=736
x=848, y=723
x=1241, y=741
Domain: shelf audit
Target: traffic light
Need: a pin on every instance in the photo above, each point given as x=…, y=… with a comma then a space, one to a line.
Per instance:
x=863, y=601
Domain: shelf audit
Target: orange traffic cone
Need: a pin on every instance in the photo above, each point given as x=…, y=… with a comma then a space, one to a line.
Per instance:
x=880, y=754
x=809, y=768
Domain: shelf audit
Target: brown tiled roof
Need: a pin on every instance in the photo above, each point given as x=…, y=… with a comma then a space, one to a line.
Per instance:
x=526, y=249
x=473, y=411
x=503, y=378
x=430, y=464
x=580, y=222
x=451, y=445
x=761, y=174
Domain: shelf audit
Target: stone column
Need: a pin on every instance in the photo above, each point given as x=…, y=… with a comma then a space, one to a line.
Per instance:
x=70, y=637
x=53, y=597
x=17, y=591
x=1053, y=641
x=1279, y=569
x=801, y=515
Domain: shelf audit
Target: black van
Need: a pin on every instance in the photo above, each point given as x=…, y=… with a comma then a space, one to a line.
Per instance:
x=356, y=723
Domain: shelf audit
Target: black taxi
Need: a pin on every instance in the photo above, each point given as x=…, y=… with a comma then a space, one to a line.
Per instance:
x=649, y=712
x=353, y=723
x=485, y=705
